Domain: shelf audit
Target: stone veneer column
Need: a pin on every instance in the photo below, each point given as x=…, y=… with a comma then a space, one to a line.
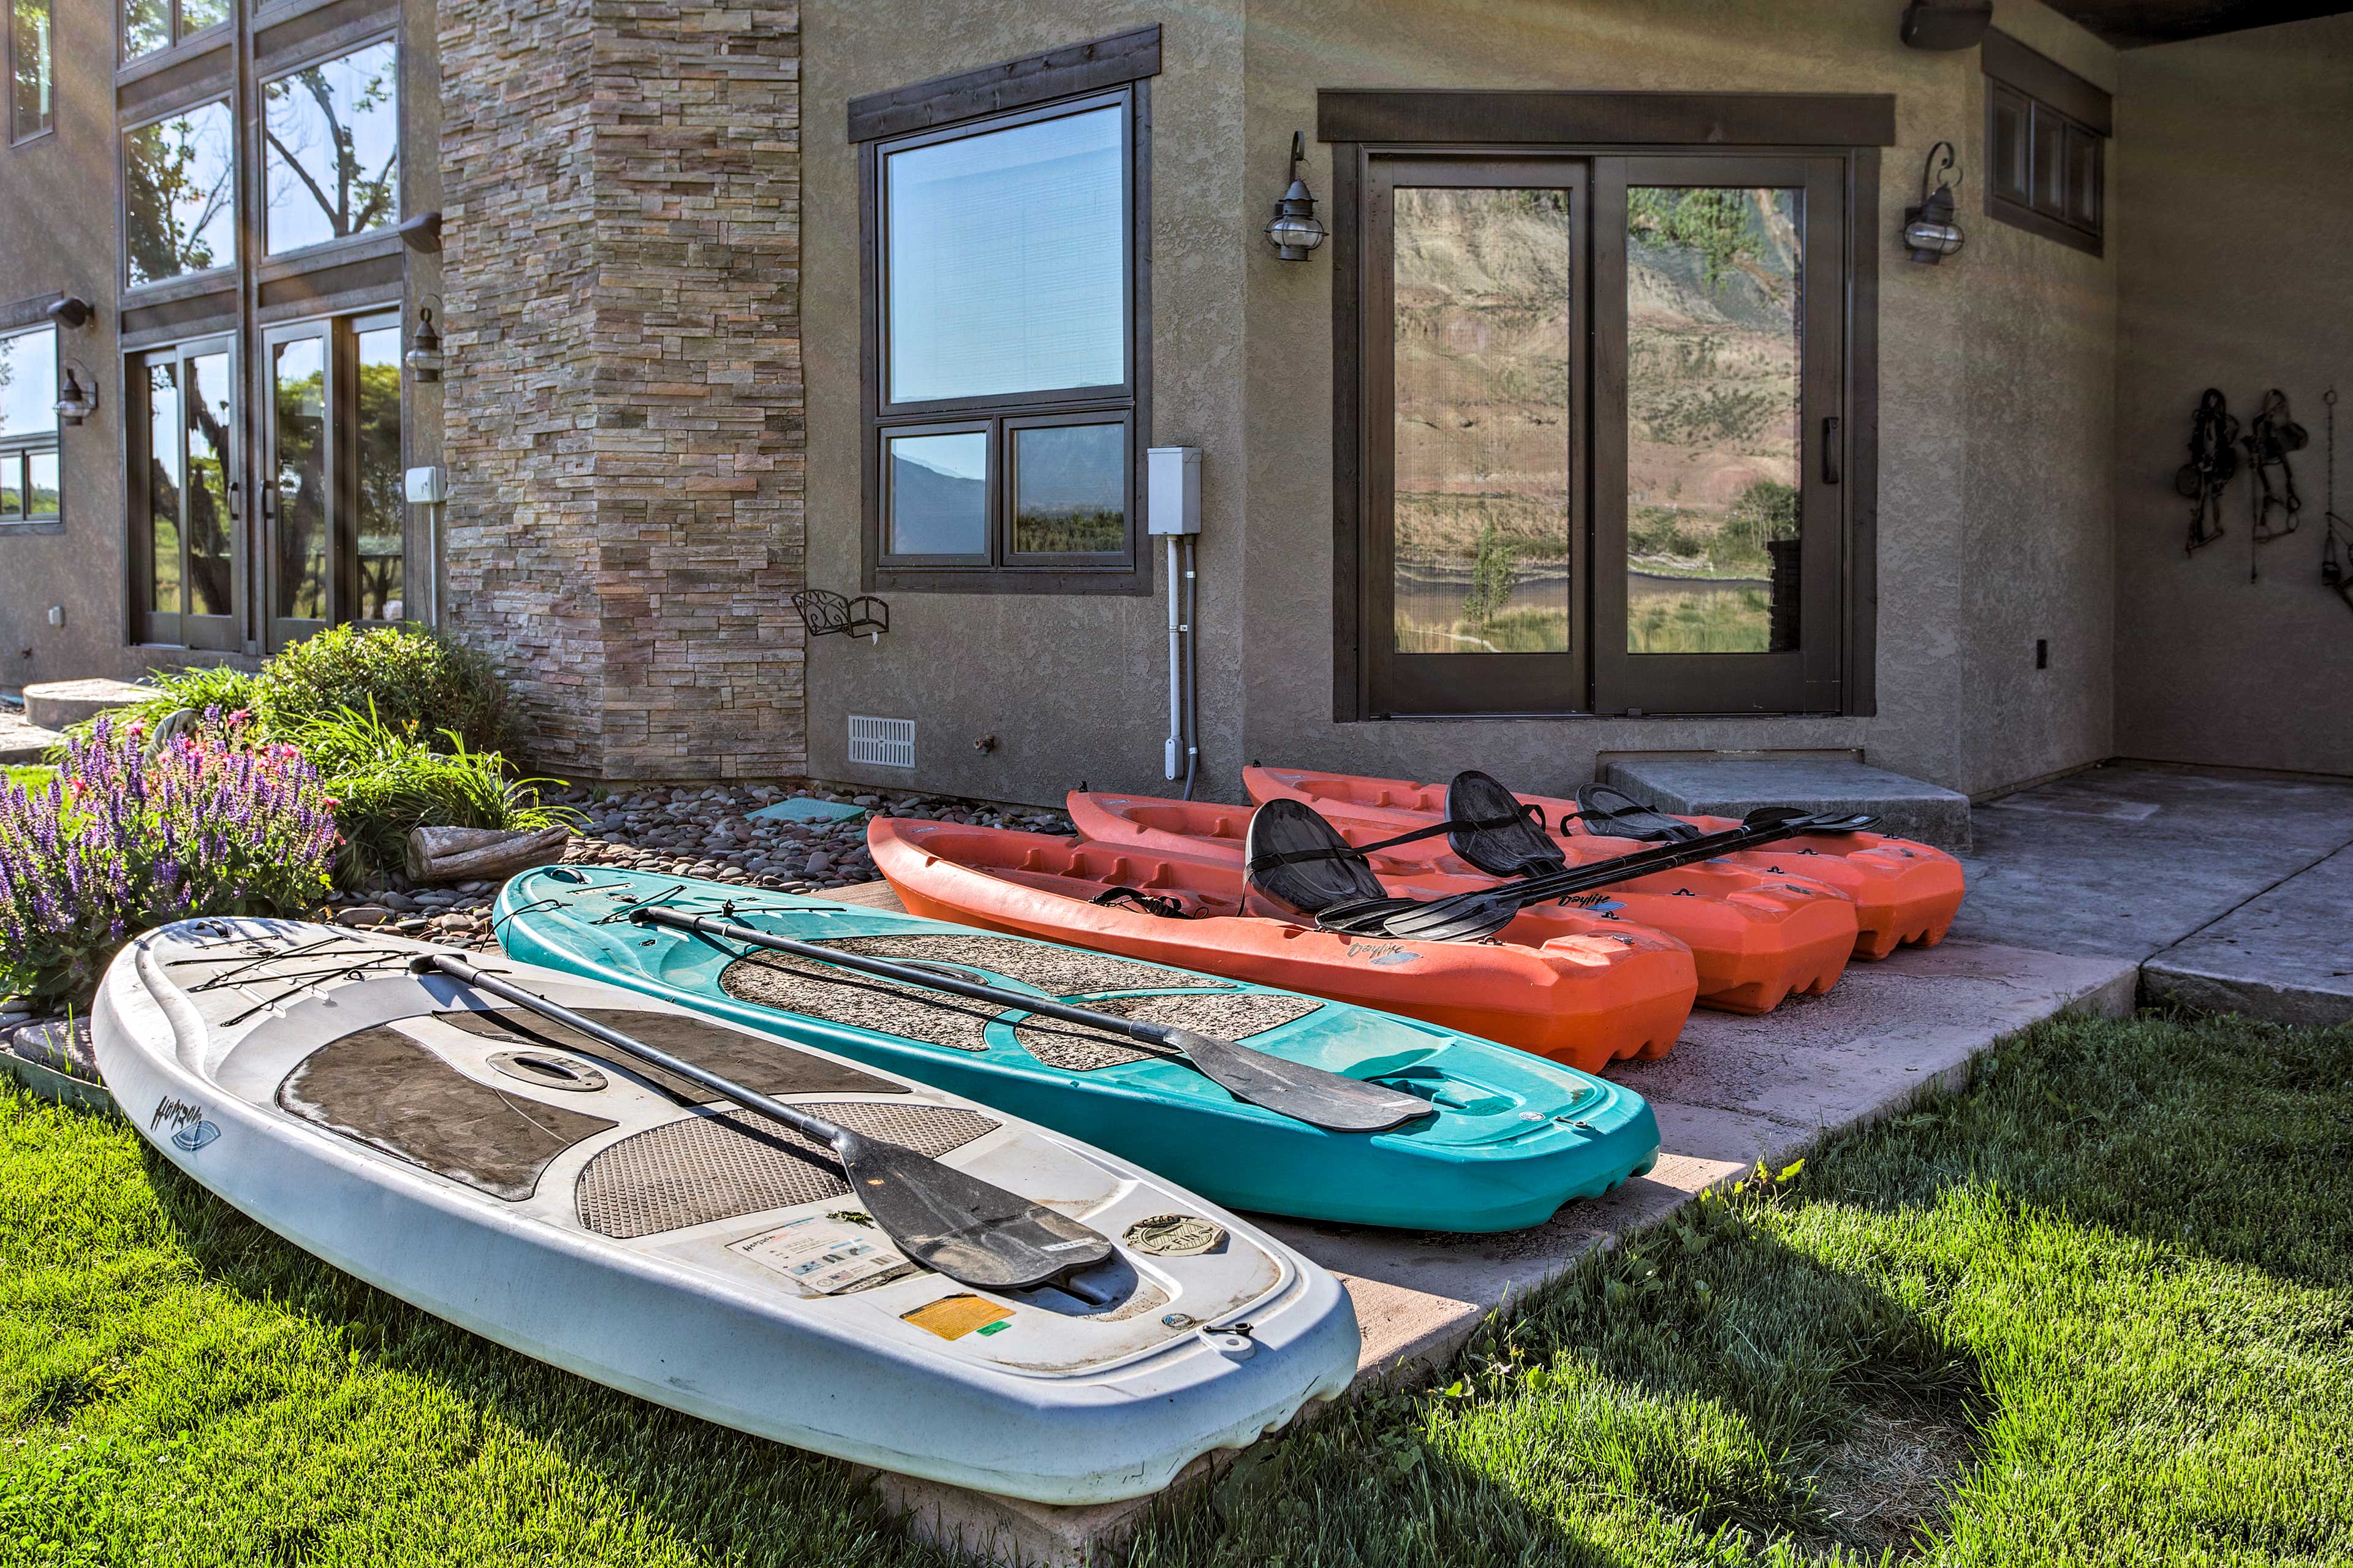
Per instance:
x=623, y=402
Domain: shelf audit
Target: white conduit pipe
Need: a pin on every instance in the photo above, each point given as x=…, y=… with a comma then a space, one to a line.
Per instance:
x=1171, y=764
x=1192, y=670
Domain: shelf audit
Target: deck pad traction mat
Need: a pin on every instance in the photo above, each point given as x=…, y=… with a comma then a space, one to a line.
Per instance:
x=802, y=985
x=380, y=1087
x=1057, y=970
x=1235, y=1015
x=761, y=1065
x=703, y=1168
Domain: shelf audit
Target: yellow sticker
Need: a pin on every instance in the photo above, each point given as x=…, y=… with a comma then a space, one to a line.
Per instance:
x=953, y=1317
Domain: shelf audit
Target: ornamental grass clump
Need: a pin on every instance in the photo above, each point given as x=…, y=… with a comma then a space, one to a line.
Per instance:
x=120, y=841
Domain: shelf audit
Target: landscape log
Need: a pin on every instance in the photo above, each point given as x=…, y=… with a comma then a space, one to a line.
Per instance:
x=480, y=854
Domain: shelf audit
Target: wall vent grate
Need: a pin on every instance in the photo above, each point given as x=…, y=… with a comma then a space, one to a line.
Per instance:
x=883, y=742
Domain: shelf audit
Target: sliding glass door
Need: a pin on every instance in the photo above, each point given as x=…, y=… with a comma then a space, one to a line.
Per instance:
x=186, y=517
x=1600, y=437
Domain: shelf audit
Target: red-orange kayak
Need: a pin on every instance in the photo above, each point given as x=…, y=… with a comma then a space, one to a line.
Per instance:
x=1903, y=892
x=1754, y=939
x=1585, y=993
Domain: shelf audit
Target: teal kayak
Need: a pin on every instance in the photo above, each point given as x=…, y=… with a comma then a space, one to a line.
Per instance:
x=1510, y=1137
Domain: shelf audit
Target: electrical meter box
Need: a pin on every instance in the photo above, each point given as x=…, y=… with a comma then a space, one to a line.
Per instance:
x=1172, y=490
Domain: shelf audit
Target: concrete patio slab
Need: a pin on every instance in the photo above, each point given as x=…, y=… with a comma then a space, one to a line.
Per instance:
x=1730, y=783
x=2129, y=859
x=2285, y=956
x=54, y=704
x=1735, y=1090
x=21, y=740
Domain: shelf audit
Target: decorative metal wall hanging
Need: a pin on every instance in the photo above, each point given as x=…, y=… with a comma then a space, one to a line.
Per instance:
x=2270, y=438
x=825, y=613
x=2213, y=458
x=2337, y=534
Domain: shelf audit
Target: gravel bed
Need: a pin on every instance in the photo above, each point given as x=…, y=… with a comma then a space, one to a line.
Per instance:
x=687, y=832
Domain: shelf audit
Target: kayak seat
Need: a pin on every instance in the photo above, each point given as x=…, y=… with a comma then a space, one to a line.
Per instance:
x=380, y=1087
x=699, y=1169
x=1617, y=815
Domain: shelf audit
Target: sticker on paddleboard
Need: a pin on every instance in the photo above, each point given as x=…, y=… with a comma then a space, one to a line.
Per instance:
x=821, y=1256
x=953, y=1317
x=1175, y=1235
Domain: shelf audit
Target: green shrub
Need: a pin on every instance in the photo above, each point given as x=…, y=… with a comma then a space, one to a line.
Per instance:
x=413, y=678
x=204, y=687
x=385, y=780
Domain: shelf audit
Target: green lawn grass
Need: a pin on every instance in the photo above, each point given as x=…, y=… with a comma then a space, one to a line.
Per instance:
x=2097, y=1308
x=28, y=776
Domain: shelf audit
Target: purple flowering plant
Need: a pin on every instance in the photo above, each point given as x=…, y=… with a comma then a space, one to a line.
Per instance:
x=123, y=839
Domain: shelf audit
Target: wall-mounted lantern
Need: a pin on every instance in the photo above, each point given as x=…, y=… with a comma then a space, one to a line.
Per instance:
x=424, y=358
x=1929, y=230
x=1293, y=231
x=76, y=402
x=70, y=312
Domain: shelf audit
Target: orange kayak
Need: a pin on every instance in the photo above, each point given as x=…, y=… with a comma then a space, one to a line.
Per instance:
x=1754, y=939
x=1903, y=892
x=1587, y=992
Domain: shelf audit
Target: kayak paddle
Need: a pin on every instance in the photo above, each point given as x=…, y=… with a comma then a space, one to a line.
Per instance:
x=974, y=1232
x=1330, y=1101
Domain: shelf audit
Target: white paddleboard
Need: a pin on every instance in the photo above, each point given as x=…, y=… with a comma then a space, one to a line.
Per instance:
x=553, y=1195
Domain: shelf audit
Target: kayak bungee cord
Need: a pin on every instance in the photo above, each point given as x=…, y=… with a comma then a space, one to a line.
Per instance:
x=1330, y=1101
x=947, y=1220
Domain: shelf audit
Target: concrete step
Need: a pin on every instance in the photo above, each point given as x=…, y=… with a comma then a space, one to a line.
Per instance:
x=1727, y=783
x=54, y=704
x=22, y=741
x=2283, y=956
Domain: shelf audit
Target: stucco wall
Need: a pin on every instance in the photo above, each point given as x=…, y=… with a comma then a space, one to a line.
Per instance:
x=1980, y=353
x=56, y=235
x=2238, y=263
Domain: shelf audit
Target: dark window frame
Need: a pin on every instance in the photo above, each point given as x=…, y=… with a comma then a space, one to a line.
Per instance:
x=1511, y=125
x=182, y=628
x=18, y=137
x=1104, y=73
x=179, y=37
x=2056, y=126
x=19, y=450
x=332, y=47
x=221, y=276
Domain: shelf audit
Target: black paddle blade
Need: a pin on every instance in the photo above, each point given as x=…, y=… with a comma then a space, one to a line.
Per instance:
x=974, y=1232
x=1463, y=917
x=1298, y=859
x=1331, y=1101
x=1614, y=813
x=1494, y=832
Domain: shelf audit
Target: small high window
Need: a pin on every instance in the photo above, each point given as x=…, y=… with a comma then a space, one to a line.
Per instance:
x=28, y=428
x=32, y=70
x=2046, y=139
x=1002, y=395
x=152, y=25
x=330, y=167
x=179, y=189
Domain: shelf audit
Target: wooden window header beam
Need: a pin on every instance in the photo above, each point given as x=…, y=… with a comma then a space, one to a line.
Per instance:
x=2038, y=76
x=1074, y=68
x=1709, y=119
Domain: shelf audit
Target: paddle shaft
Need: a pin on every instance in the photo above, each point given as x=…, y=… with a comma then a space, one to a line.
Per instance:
x=973, y=990
x=831, y=1133
x=1666, y=857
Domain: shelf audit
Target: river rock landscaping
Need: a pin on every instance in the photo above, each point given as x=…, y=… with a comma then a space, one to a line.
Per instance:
x=687, y=832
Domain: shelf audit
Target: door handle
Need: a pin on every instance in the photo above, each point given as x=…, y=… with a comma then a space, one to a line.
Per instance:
x=1830, y=470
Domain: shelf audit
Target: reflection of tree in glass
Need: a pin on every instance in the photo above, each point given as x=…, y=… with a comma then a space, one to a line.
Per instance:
x=1712, y=220
x=382, y=501
x=177, y=188
x=1494, y=571
x=311, y=129
x=207, y=491
x=301, y=482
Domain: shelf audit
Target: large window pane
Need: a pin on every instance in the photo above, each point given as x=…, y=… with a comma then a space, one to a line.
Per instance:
x=382, y=498
x=32, y=107
x=146, y=27
x=1070, y=489
x=28, y=382
x=332, y=134
x=178, y=188
x=12, y=485
x=197, y=15
x=938, y=488
x=207, y=394
x=1481, y=421
x=41, y=484
x=297, y=390
x=164, y=486
x=1712, y=412
x=1008, y=260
